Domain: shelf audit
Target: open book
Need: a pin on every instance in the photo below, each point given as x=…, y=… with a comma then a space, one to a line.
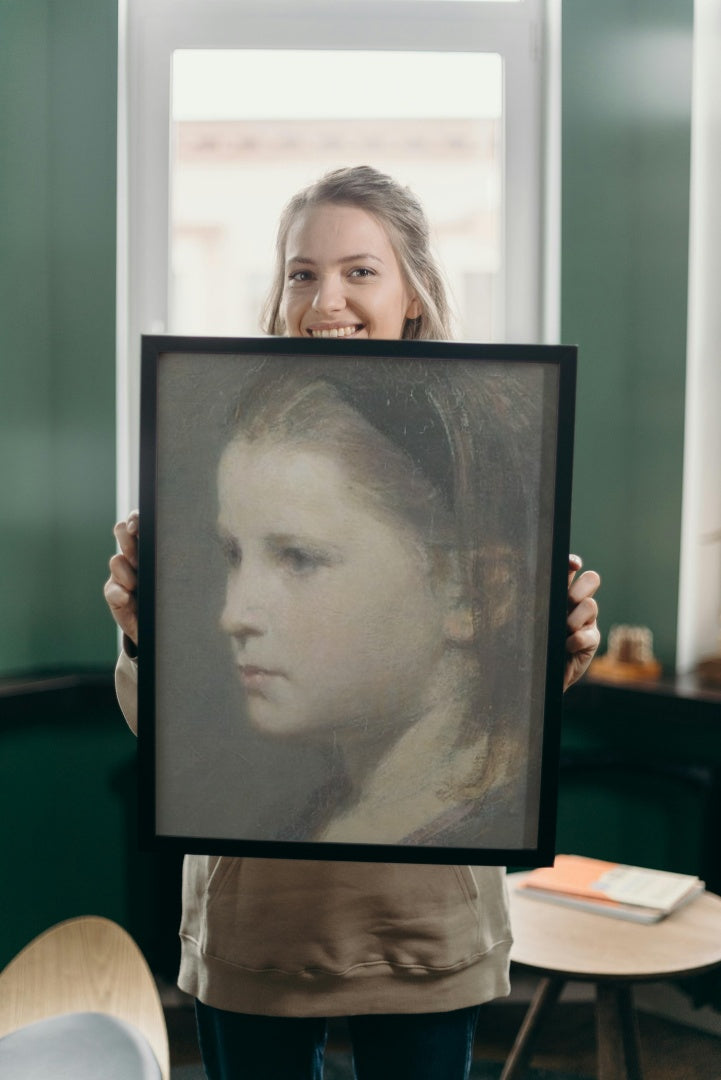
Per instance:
x=608, y=888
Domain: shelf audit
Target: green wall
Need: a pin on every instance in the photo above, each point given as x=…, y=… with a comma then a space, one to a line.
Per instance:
x=68, y=806
x=626, y=146
x=58, y=71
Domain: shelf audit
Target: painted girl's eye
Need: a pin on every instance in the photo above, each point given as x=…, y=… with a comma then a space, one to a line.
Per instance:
x=303, y=560
x=232, y=552
x=299, y=556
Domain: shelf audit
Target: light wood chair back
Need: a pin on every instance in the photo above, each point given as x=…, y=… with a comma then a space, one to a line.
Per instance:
x=87, y=964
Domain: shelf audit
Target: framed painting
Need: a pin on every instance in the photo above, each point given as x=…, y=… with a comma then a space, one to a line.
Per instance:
x=352, y=597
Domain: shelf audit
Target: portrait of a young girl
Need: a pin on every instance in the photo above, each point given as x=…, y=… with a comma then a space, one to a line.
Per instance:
x=377, y=521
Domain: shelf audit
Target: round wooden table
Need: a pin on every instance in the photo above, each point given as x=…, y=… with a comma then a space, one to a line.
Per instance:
x=562, y=944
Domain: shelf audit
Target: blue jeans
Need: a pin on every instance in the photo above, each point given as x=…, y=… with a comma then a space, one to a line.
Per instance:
x=414, y=1046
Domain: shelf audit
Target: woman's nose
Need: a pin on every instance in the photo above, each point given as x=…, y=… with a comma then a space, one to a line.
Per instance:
x=244, y=614
x=329, y=297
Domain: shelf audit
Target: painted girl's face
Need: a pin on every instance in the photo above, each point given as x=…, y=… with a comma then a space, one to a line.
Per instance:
x=342, y=277
x=330, y=607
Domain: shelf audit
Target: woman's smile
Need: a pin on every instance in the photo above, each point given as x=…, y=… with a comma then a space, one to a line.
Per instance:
x=325, y=331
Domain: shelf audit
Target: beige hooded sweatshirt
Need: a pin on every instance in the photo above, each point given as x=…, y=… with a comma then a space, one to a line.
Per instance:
x=284, y=937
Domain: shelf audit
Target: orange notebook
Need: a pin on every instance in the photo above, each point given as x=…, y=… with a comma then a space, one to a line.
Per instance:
x=631, y=892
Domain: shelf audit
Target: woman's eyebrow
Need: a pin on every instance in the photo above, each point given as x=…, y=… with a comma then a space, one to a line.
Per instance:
x=361, y=257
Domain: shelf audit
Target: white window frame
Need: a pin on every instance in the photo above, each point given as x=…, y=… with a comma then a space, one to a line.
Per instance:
x=699, y=597
x=526, y=34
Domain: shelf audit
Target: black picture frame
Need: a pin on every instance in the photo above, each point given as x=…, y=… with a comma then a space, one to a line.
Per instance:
x=228, y=764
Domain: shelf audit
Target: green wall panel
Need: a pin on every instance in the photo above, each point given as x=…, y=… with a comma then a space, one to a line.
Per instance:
x=641, y=780
x=68, y=798
x=58, y=75
x=26, y=489
x=626, y=145
x=68, y=847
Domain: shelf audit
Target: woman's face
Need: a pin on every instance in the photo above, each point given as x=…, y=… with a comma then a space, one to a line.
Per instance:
x=330, y=607
x=342, y=277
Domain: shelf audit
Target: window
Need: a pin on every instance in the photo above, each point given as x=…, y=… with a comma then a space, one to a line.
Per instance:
x=235, y=161
x=227, y=107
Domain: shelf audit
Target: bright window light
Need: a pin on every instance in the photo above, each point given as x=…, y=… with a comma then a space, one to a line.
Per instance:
x=239, y=154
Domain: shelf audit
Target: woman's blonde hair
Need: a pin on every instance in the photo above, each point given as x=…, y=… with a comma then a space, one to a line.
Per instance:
x=402, y=216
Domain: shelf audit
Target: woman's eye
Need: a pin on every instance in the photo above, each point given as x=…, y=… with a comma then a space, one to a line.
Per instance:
x=362, y=272
x=300, y=276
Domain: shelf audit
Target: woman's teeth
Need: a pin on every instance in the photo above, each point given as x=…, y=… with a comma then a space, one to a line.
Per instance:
x=337, y=331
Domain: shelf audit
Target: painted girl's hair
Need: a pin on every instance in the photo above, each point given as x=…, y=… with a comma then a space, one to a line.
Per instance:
x=402, y=216
x=446, y=449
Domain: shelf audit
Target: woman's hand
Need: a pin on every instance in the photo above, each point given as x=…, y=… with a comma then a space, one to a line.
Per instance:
x=583, y=635
x=121, y=587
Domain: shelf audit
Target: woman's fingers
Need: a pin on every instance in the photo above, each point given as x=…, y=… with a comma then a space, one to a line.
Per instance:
x=126, y=534
x=575, y=562
x=583, y=612
x=123, y=572
x=583, y=636
x=585, y=640
x=120, y=588
x=586, y=585
x=123, y=607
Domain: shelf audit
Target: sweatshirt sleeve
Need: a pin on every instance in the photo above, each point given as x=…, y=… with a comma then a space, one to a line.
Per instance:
x=126, y=688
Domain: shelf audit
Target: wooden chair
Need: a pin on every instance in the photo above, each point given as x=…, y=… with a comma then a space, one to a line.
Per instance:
x=87, y=967
x=563, y=944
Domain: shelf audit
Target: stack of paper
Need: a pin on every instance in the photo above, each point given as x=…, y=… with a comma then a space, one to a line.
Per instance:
x=624, y=892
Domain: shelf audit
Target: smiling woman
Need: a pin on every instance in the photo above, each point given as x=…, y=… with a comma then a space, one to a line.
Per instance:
x=374, y=512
